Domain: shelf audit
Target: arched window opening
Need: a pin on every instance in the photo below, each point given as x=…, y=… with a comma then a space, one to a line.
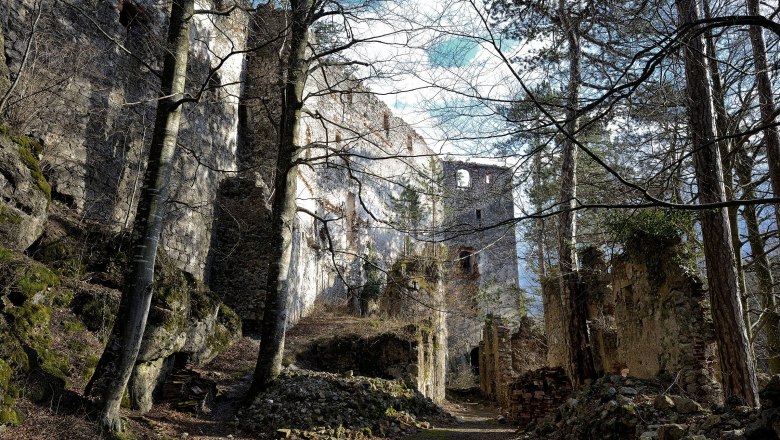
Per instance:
x=463, y=179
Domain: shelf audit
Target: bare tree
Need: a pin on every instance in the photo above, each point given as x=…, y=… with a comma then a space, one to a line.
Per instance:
x=737, y=368
x=118, y=360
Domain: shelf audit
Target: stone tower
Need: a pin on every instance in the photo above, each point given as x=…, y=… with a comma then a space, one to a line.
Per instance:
x=478, y=206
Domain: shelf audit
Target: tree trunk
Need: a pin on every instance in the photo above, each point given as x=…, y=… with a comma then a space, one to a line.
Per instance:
x=269, y=362
x=580, y=359
x=767, y=105
x=110, y=379
x=763, y=270
x=725, y=146
x=540, y=233
x=738, y=374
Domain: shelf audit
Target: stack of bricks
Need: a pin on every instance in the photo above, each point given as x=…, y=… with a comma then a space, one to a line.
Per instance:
x=537, y=393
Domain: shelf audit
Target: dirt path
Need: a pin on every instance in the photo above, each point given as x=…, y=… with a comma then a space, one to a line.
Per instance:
x=477, y=422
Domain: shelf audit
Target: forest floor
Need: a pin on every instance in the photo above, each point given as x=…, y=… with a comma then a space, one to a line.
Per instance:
x=477, y=420
x=68, y=416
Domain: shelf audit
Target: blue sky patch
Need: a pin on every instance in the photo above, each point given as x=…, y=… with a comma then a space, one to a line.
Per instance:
x=453, y=52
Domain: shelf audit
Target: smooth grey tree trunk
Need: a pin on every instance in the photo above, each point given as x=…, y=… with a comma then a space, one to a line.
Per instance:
x=269, y=362
x=118, y=360
x=766, y=284
x=766, y=104
x=580, y=359
x=738, y=375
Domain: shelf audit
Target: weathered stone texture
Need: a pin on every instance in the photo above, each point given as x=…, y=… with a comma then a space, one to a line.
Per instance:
x=5, y=74
x=93, y=105
x=482, y=252
x=538, y=393
x=505, y=355
x=414, y=354
x=663, y=322
x=23, y=202
x=650, y=316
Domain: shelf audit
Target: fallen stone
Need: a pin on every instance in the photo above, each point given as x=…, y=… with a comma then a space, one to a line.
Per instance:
x=671, y=432
x=662, y=401
x=684, y=405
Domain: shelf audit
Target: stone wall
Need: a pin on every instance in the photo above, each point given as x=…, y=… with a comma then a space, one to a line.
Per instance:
x=93, y=107
x=413, y=354
x=649, y=318
x=358, y=160
x=478, y=202
x=538, y=393
x=663, y=322
x=505, y=355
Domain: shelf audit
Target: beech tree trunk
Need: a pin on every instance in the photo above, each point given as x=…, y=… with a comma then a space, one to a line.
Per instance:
x=766, y=284
x=269, y=362
x=110, y=379
x=766, y=104
x=580, y=359
x=738, y=374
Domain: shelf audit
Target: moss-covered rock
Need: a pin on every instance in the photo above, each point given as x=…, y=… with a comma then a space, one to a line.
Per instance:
x=186, y=321
x=24, y=191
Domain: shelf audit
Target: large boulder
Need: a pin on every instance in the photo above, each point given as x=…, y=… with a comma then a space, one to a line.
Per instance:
x=24, y=192
x=187, y=325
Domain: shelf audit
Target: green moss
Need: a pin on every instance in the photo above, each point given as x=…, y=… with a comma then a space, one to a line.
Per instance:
x=229, y=318
x=6, y=256
x=97, y=312
x=35, y=278
x=64, y=297
x=8, y=216
x=10, y=417
x=5, y=374
x=227, y=329
x=28, y=149
x=63, y=256
x=89, y=365
x=72, y=327
x=171, y=294
x=203, y=303
x=31, y=324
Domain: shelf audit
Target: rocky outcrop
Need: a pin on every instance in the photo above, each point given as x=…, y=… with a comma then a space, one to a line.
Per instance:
x=28, y=364
x=24, y=192
x=187, y=325
x=5, y=76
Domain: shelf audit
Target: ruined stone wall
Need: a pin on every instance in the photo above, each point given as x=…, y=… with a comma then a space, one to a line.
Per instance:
x=505, y=355
x=413, y=354
x=358, y=158
x=482, y=252
x=663, y=322
x=649, y=319
x=93, y=106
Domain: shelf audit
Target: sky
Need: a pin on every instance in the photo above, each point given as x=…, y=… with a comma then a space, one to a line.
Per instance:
x=430, y=60
x=429, y=71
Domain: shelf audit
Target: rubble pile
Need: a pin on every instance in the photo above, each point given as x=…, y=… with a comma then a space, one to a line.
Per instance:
x=621, y=408
x=303, y=404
